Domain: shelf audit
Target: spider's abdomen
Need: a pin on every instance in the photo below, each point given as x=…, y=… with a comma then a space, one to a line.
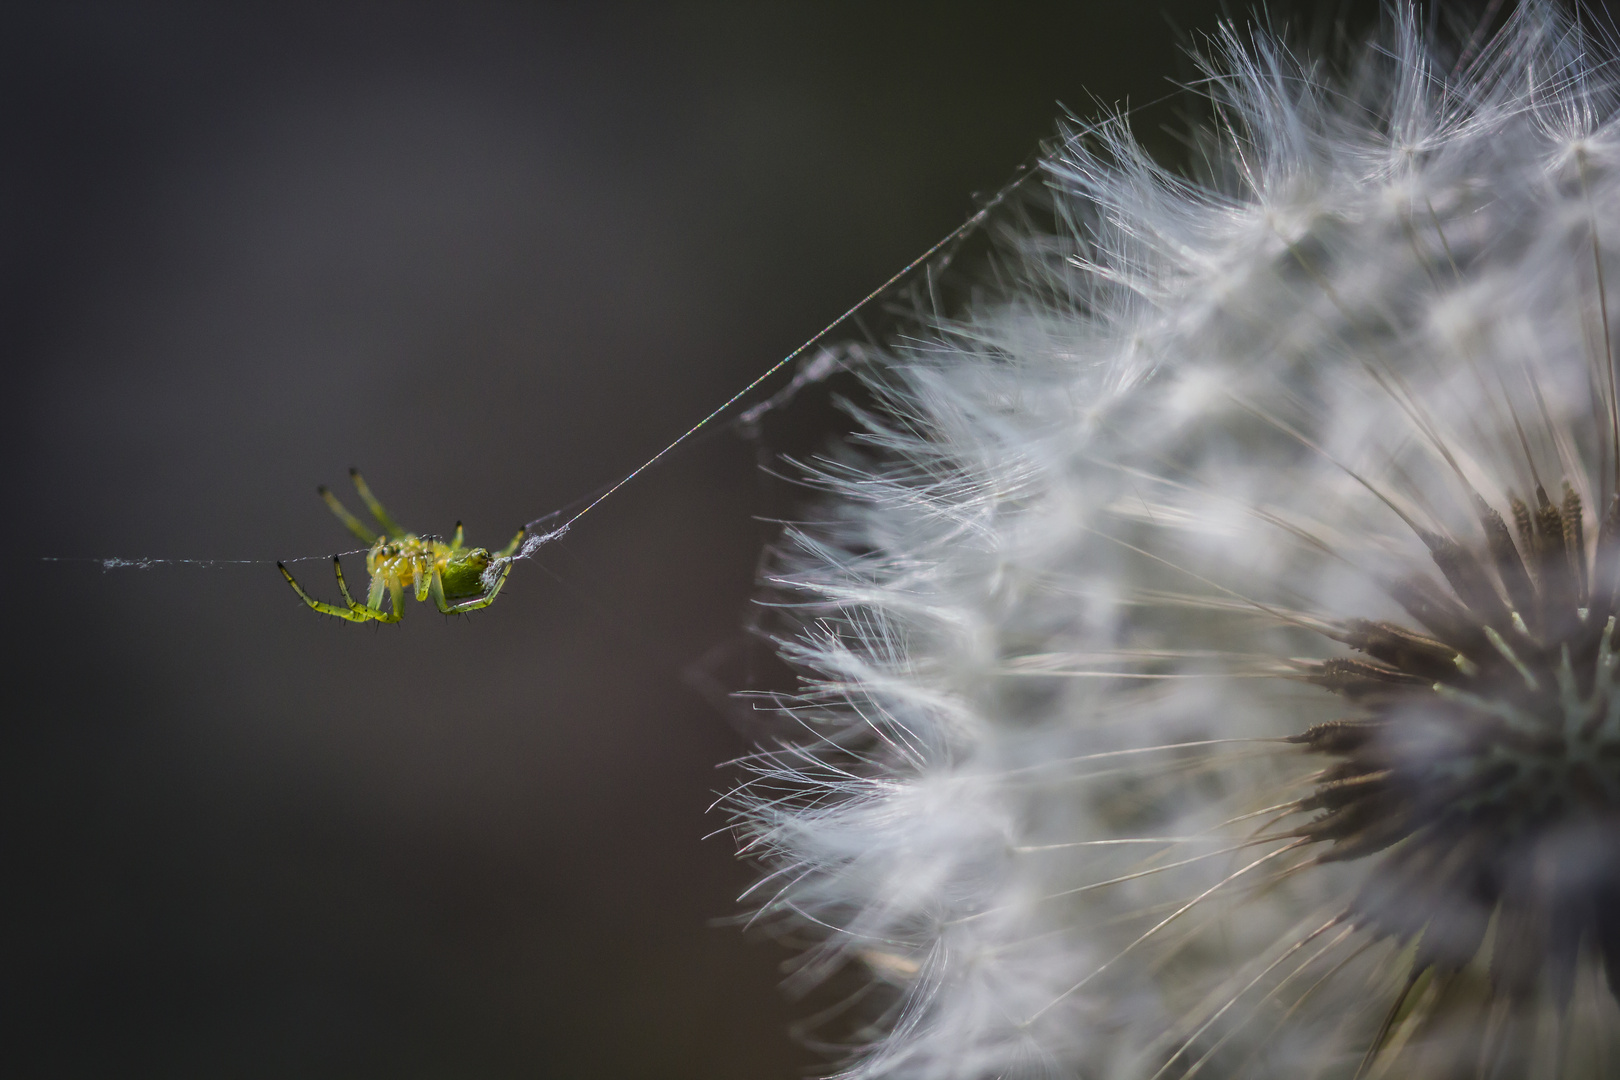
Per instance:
x=463, y=572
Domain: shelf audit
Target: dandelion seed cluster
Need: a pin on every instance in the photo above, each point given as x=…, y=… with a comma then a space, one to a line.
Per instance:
x=1209, y=661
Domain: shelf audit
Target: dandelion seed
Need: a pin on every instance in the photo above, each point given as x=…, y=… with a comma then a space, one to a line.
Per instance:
x=1213, y=670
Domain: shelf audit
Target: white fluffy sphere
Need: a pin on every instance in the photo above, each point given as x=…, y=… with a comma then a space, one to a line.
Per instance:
x=1209, y=665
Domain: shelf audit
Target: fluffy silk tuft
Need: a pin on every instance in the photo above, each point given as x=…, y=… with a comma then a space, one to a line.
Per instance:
x=1208, y=648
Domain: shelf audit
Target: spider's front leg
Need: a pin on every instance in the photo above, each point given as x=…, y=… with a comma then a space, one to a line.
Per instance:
x=373, y=610
x=353, y=613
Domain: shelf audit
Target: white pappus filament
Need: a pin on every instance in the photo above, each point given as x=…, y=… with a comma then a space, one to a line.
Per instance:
x=1209, y=657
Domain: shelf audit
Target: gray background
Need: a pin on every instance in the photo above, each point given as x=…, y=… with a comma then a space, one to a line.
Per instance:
x=494, y=254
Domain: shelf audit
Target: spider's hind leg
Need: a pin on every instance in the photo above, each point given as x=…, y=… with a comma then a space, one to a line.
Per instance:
x=507, y=551
x=353, y=613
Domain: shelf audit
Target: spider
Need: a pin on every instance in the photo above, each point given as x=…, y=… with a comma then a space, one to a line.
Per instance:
x=450, y=573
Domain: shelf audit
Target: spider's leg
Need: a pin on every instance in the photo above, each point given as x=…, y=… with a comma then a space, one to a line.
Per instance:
x=390, y=526
x=478, y=601
x=372, y=612
x=457, y=541
x=379, y=583
x=426, y=573
x=343, y=586
x=326, y=609
x=436, y=590
x=396, y=594
x=350, y=522
x=506, y=552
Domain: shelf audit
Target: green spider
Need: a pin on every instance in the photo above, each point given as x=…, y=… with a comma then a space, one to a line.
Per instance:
x=451, y=574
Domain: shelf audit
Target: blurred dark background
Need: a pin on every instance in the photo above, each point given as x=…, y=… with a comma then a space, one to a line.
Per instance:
x=493, y=254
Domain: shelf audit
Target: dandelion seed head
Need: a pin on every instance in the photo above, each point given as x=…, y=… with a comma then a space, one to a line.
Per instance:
x=1211, y=667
